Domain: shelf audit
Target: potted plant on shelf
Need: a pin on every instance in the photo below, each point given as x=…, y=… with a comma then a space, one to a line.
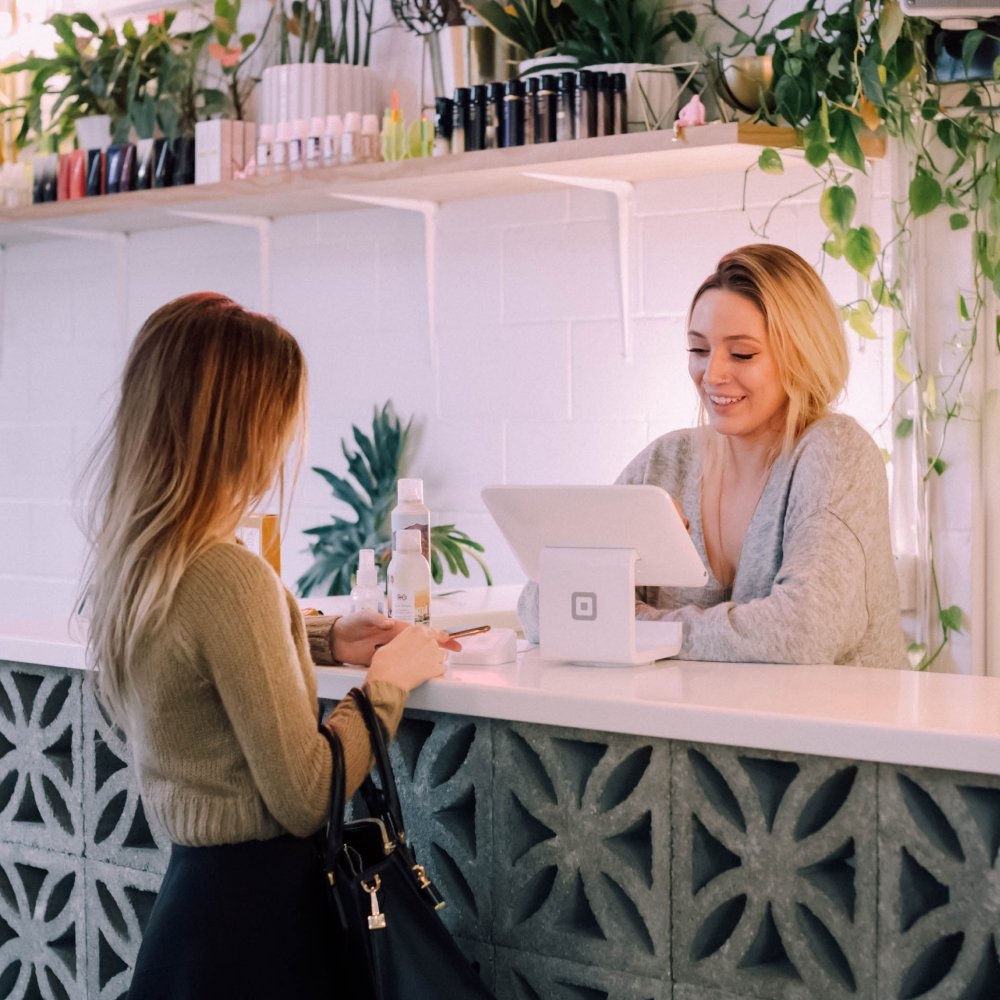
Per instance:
x=87, y=75
x=322, y=67
x=375, y=467
x=630, y=37
x=536, y=29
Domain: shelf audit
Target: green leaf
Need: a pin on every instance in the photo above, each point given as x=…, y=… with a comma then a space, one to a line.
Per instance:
x=904, y=428
x=770, y=161
x=924, y=194
x=861, y=249
x=916, y=653
x=973, y=39
x=890, y=24
x=963, y=308
x=817, y=153
x=958, y=220
x=837, y=206
x=937, y=465
x=951, y=618
x=860, y=320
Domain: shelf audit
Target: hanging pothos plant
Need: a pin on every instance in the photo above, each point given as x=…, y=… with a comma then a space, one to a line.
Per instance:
x=375, y=468
x=846, y=69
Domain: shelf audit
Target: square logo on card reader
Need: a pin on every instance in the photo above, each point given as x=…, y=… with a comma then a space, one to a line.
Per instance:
x=584, y=605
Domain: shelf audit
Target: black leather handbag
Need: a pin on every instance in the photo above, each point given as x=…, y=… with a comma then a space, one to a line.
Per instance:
x=392, y=945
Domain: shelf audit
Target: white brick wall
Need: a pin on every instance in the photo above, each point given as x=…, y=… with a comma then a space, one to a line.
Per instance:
x=523, y=380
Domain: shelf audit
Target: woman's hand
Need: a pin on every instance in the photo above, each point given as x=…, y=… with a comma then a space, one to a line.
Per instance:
x=356, y=637
x=415, y=655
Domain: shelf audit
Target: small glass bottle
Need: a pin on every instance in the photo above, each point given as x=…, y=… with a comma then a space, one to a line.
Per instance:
x=602, y=90
x=314, y=144
x=442, y=126
x=350, y=141
x=475, y=124
x=265, y=142
x=586, y=105
x=366, y=593
x=566, y=106
x=545, y=109
x=493, y=131
x=619, y=103
x=460, y=119
x=530, y=109
x=332, y=134
x=513, y=113
x=279, y=148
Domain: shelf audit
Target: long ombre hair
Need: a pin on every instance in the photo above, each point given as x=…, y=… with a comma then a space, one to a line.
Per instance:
x=802, y=322
x=212, y=397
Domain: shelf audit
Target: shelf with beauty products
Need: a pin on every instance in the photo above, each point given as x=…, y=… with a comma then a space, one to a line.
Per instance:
x=634, y=158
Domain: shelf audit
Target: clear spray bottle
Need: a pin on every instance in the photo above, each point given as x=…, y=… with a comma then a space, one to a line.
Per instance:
x=366, y=593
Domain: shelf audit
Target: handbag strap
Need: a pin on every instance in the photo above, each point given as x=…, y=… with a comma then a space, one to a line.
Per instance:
x=334, y=840
x=383, y=801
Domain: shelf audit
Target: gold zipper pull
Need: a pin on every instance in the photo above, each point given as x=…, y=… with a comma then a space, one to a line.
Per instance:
x=376, y=921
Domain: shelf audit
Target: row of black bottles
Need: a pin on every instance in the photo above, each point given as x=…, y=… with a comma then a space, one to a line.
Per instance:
x=552, y=107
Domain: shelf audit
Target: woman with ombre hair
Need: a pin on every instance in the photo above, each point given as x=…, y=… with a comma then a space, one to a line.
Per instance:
x=202, y=656
x=786, y=500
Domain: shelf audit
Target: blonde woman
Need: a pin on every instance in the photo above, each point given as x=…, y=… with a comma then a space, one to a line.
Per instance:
x=787, y=501
x=202, y=656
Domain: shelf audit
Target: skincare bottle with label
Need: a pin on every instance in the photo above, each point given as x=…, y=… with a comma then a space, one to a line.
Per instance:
x=409, y=584
x=410, y=512
x=367, y=594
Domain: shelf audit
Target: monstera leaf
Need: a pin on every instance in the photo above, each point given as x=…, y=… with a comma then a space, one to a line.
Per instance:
x=374, y=467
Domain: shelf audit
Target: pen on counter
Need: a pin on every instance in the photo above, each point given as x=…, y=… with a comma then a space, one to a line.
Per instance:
x=474, y=630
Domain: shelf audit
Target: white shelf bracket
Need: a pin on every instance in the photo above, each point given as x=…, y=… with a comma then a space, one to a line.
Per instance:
x=263, y=226
x=429, y=210
x=623, y=192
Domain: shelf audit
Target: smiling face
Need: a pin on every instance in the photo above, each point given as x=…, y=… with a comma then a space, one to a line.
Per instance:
x=733, y=367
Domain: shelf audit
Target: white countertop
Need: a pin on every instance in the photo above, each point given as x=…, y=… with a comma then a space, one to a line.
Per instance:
x=897, y=717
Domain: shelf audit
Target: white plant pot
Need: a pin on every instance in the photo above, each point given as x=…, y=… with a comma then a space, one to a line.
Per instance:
x=540, y=65
x=352, y=88
x=653, y=94
x=93, y=131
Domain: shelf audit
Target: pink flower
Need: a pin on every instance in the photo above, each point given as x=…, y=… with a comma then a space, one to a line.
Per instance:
x=226, y=55
x=693, y=113
x=156, y=19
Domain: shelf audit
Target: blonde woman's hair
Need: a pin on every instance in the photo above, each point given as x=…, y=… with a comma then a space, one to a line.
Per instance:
x=803, y=325
x=212, y=397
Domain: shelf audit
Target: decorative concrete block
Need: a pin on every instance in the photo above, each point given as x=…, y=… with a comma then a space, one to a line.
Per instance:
x=119, y=902
x=118, y=828
x=444, y=769
x=774, y=880
x=582, y=849
x=527, y=976
x=41, y=777
x=42, y=926
x=939, y=910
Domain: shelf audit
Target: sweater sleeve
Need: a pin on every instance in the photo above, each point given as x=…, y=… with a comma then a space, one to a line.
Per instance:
x=349, y=726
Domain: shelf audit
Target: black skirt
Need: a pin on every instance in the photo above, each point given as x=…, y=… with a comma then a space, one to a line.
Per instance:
x=243, y=921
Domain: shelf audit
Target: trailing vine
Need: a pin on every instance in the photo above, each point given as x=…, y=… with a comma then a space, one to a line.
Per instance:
x=858, y=67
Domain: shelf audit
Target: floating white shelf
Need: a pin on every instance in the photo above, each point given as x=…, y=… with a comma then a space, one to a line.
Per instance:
x=633, y=158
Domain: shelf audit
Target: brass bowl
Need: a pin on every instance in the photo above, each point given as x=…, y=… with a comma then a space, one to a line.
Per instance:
x=745, y=80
